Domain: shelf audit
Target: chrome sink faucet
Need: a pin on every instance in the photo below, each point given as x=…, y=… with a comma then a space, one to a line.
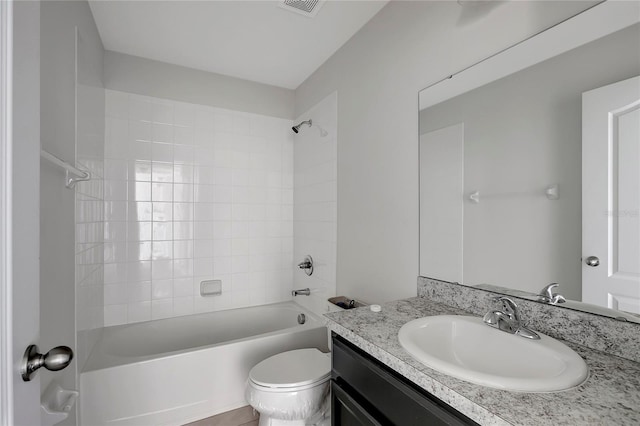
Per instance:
x=508, y=319
x=548, y=296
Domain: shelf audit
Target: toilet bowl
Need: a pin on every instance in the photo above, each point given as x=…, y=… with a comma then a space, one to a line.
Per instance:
x=291, y=388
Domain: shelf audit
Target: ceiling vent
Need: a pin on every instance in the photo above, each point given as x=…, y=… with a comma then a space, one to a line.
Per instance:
x=308, y=8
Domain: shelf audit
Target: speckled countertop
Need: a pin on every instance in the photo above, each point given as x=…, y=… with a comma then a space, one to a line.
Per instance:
x=610, y=396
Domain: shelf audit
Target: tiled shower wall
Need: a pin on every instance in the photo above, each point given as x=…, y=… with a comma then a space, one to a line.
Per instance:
x=194, y=193
x=315, y=212
x=89, y=246
x=89, y=196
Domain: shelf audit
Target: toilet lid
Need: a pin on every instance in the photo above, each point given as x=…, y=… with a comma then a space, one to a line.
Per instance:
x=292, y=369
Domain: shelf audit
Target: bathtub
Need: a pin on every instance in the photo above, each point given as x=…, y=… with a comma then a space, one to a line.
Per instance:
x=177, y=370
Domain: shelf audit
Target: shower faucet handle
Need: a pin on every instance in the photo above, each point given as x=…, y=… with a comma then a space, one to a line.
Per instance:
x=307, y=265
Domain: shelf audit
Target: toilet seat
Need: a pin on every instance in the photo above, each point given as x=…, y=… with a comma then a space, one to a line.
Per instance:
x=290, y=371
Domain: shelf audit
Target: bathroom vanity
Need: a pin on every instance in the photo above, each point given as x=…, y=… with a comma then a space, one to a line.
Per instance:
x=374, y=378
x=365, y=391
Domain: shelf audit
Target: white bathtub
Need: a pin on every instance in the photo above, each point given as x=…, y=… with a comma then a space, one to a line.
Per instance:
x=177, y=370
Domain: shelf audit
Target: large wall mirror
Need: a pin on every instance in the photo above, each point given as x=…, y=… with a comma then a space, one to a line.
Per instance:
x=530, y=167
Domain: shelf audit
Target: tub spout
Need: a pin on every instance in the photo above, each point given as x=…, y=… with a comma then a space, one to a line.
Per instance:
x=301, y=292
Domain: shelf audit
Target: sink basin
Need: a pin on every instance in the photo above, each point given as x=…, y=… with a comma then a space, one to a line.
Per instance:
x=466, y=348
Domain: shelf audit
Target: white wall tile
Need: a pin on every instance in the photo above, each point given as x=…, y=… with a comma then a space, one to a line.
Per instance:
x=184, y=114
x=162, y=172
x=183, y=154
x=182, y=268
x=139, y=109
x=139, y=311
x=161, y=308
x=162, y=269
x=139, y=271
x=116, y=104
x=139, y=231
x=115, y=294
x=138, y=292
x=183, y=230
x=139, y=171
x=222, y=247
x=162, y=112
x=162, y=231
x=115, y=252
x=182, y=287
x=222, y=229
x=203, y=267
x=162, y=192
x=162, y=250
x=312, y=206
x=193, y=193
x=139, y=250
x=183, y=249
x=183, y=306
x=183, y=173
x=222, y=265
x=183, y=192
x=139, y=131
x=142, y=191
x=161, y=289
x=162, y=212
x=115, y=314
x=162, y=136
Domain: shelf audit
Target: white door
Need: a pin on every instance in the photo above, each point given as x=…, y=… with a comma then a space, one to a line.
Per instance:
x=442, y=184
x=611, y=196
x=19, y=207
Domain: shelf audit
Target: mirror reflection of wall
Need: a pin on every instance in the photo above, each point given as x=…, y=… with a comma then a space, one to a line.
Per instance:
x=505, y=144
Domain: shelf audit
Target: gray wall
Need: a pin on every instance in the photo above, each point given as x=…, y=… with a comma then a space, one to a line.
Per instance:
x=378, y=73
x=142, y=76
x=57, y=122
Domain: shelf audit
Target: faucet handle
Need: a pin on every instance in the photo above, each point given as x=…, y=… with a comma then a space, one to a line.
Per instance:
x=548, y=290
x=513, y=324
x=547, y=295
x=510, y=307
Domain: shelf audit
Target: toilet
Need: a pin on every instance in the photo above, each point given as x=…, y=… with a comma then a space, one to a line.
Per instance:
x=291, y=388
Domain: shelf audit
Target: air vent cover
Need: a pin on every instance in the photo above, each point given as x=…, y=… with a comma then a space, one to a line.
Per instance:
x=307, y=8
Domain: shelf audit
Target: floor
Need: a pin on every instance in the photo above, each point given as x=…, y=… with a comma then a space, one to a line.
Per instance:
x=243, y=416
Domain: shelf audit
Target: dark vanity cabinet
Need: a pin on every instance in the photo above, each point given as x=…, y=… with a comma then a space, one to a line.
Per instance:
x=366, y=392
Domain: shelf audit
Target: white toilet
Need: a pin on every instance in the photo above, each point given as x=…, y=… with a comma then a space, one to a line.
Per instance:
x=291, y=388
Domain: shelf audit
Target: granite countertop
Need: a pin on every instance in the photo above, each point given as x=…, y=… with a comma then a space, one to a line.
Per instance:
x=610, y=396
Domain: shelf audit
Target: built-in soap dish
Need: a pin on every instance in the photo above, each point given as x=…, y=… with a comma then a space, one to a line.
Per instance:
x=56, y=404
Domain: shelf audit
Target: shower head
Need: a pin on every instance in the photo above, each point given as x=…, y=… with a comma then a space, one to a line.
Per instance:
x=296, y=129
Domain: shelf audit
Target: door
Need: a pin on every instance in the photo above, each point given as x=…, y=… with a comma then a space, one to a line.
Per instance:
x=442, y=185
x=19, y=207
x=611, y=196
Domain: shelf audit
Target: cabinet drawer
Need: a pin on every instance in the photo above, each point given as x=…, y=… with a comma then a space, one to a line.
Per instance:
x=346, y=411
x=396, y=400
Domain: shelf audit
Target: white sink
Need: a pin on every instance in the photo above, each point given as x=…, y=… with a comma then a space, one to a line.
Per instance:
x=466, y=348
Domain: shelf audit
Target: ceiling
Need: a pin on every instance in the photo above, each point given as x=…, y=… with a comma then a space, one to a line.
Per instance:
x=252, y=40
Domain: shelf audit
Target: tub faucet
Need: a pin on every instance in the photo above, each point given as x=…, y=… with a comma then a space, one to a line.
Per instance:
x=508, y=320
x=301, y=292
x=548, y=296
